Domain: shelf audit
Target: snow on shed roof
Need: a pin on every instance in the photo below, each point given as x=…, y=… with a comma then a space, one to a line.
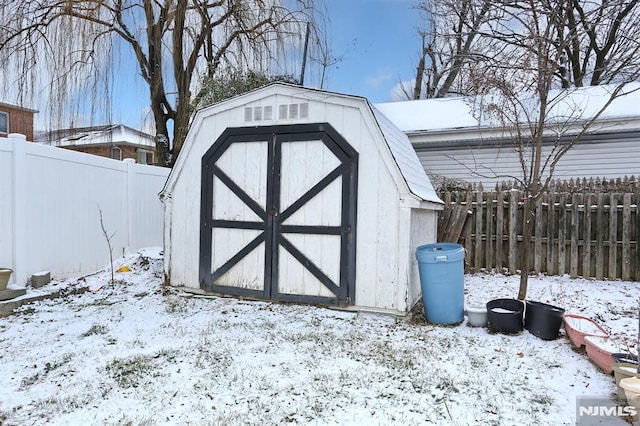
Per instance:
x=406, y=159
x=430, y=115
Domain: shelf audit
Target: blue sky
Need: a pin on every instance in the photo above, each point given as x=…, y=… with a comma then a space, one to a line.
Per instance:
x=377, y=40
x=380, y=44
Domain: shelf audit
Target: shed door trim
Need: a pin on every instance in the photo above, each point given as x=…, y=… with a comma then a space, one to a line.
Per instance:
x=271, y=221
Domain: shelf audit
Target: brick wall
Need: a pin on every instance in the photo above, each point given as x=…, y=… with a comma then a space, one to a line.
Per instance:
x=20, y=121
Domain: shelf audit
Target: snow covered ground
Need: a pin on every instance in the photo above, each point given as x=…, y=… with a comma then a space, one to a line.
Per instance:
x=134, y=353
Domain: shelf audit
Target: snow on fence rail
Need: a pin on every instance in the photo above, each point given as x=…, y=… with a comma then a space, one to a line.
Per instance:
x=580, y=233
x=49, y=208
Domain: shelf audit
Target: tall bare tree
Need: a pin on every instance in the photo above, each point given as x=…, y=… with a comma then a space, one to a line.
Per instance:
x=598, y=42
x=533, y=108
x=173, y=41
x=451, y=45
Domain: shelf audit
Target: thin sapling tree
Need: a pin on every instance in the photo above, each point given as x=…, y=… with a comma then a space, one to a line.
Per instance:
x=108, y=238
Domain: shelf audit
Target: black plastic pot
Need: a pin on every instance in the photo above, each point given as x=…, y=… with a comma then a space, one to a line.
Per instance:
x=505, y=315
x=543, y=320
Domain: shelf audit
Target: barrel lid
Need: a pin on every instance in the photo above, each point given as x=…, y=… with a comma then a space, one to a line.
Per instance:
x=439, y=252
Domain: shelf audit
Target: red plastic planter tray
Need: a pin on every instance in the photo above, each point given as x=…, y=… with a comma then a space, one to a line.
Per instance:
x=578, y=327
x=599, y=350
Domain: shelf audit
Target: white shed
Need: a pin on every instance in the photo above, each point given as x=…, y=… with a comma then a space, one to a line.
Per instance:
x=294, y=194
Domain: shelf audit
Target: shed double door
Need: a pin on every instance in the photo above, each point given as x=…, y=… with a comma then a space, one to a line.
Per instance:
x=278, y=215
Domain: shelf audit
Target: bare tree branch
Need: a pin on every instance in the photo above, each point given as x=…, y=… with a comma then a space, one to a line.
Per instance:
x=172, y=41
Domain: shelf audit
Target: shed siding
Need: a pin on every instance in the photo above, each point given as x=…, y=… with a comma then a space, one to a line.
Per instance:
x=423, y=231
x=404, y=261
x=185, y=243
x=185, y=211
x=378, y=219
x=377, y=242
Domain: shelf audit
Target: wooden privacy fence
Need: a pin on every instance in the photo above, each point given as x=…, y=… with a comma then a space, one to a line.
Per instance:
x=589, y=229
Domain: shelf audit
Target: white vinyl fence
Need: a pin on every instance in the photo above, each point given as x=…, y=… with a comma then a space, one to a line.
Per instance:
x=49, y=209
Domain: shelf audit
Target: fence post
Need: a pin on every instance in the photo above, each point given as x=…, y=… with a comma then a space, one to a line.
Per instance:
x=469, y=245
x=19, y=202
x=499, y=231
x=562, y=234
x=490, y=231
x=586, y=262
x=513, y=235
x=552, y=265
x=131, y=179
x=537, y=252
x=612, y=271
x=626, y=237
x=477, y=261
x=600, y=237
x=636, y=273
x=575, y=237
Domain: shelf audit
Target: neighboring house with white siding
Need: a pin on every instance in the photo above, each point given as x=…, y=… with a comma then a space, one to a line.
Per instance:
x=452, y=142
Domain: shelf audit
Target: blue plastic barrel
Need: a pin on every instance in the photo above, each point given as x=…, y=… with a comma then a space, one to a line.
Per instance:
x=441, y=268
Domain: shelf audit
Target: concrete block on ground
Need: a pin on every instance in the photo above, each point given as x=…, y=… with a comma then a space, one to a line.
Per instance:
x=40, y=279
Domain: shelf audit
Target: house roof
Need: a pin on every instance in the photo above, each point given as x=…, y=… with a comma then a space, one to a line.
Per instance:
x=96, y=135
x=21, y=108
x=457, y=113
x=429, y=114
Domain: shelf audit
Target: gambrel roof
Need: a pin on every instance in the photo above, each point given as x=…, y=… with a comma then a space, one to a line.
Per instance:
x=404, y=157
